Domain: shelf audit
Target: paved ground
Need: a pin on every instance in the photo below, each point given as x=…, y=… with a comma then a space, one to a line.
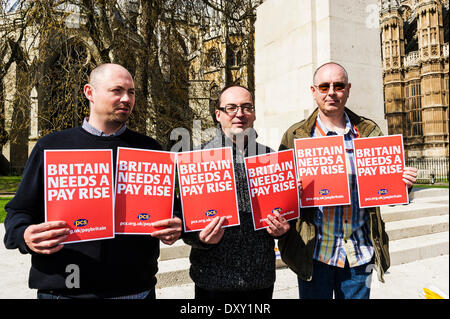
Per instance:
x=402, y=282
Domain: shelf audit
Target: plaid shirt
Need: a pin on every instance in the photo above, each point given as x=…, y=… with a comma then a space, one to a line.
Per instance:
x=343, y=232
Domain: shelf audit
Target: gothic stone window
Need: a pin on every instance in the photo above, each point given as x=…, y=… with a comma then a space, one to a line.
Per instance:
x=213, y=58
x=414, y=108
x=410, y=32
x=445, y=15
x=234, y=56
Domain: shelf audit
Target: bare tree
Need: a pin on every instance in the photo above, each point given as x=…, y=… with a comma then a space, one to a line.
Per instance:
x=55, y=44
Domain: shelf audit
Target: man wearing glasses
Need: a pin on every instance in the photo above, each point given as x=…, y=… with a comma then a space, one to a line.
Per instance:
x=340, y=245
x=236, y=262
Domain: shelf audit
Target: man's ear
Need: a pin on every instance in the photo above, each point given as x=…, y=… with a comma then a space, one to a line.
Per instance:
x=87, y=89
x=217, y=112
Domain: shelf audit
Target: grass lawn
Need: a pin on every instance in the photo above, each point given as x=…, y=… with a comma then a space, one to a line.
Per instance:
x=9, y=184
x=437, y=185
x=3, y=202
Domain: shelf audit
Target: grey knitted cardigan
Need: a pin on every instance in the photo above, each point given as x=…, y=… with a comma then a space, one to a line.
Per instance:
x=244, y=259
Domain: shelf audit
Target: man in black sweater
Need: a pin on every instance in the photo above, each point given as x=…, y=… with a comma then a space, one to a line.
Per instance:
x=123, y=267
x=237, y=262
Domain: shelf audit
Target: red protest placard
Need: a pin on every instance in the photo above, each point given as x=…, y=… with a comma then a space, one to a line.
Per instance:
x=272, y=186
x=322, y=168
x=207, y=187
x=379, y=163
x=145, y=181
x=79, y=191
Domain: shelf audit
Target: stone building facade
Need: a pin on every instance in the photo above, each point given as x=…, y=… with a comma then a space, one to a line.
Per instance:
x=414, y=37
x=415, y=49
x=219, y=53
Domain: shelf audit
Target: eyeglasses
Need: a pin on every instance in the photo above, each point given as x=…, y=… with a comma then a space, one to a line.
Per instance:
x=232, y=109
x=325, y=87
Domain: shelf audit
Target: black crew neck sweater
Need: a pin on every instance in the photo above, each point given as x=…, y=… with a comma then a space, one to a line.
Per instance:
x=122, y=265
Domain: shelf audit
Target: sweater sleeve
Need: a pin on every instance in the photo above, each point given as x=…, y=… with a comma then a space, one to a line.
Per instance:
x=27, y=206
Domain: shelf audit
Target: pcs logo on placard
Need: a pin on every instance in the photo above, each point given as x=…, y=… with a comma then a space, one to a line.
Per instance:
x=143, y=216
x=382, y=191
x=324, y=191
x=80, y=222
x=211, y=213
x=276, y=210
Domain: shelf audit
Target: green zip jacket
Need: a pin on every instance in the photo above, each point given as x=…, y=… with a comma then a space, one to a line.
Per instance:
x=297, y=246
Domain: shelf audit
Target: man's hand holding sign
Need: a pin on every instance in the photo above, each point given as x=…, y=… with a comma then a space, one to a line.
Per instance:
x=46, y=238
x=171, y=230
x=213, y=232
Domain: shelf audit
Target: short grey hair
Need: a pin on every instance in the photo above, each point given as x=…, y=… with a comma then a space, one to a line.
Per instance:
x=317, y=70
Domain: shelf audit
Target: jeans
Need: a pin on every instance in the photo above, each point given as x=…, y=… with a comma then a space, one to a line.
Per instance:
x=147, y=294
x=345, y=283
